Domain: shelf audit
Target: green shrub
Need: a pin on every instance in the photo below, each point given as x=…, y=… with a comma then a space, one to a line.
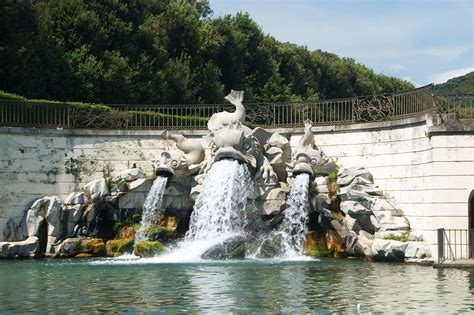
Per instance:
x=11, y=96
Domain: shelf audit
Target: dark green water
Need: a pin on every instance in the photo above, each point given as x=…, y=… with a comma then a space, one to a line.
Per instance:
x=329, y=285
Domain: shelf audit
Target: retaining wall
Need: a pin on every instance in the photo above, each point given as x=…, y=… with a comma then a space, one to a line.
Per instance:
x=429, y=170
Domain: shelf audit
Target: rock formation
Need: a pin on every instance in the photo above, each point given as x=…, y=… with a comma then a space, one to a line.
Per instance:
x=349, y=215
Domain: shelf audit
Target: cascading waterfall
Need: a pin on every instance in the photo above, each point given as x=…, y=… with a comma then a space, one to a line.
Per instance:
x=220, y=207
x=219, y=212
x=151, y=206
x=294, y=227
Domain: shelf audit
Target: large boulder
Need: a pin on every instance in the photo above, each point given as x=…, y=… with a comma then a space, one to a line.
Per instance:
x=21, y=249
x=97, y=189
x=148, y=248
x=418, y=250
x=271, y=247
x=72, y=214
x=389, y=216
x=354, y=209
x=128, y=175
x=94, y=247
x=389, y=250
x=273, y=202
x=348, y=193
x=69, y=247
x=114, y=248
x=346, y=175
x=14, y=230
x=136, y=194
x=45, y=209
x=76, y=198
x=232, y=248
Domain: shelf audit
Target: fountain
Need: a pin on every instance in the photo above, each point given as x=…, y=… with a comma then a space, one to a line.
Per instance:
x=235, y=193
x=151, y=207
x=294, y=227
x=220, y=207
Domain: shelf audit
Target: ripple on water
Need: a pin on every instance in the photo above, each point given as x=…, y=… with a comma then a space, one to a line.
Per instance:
x=326, y=285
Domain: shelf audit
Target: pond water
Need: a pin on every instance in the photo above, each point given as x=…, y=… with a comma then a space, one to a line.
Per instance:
x=321, y=286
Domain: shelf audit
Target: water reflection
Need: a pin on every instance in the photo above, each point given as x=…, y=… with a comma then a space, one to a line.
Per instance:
x=330, y=285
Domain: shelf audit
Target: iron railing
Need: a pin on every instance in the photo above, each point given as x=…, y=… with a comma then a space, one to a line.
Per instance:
x=452, y=109
x=271, y=115
x=455, y=244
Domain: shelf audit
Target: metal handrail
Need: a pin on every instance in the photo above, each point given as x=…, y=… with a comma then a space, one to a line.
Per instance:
x=368, y=108
x=454, y=244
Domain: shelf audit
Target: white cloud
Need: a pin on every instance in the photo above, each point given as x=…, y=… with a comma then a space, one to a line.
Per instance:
x=445, y=76
x=447, y=52
x=397, y=67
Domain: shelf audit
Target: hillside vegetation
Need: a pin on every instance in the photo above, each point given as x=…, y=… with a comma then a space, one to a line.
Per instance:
x=163, y=51
x=459, y=85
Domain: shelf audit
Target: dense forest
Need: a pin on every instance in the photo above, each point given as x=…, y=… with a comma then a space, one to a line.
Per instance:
x=163, y=51
x=459, y=85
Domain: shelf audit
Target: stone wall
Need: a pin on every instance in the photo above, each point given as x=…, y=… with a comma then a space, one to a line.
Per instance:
x=428, y=170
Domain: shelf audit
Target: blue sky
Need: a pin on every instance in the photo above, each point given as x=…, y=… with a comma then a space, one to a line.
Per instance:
x=421, y=41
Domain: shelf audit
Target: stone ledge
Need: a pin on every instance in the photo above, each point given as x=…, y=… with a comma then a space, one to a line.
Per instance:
x=465, y=128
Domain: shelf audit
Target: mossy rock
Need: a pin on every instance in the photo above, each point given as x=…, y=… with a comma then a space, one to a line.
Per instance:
x=271, y=247
x=92, y=246
x=233, y=248
x=148, y=248
x=160, y=233
x=128, y=232
x=114, y=248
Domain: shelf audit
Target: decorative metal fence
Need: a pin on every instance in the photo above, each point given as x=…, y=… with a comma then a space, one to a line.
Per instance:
x=271, y=115
x=455, y=244
x=453, y=109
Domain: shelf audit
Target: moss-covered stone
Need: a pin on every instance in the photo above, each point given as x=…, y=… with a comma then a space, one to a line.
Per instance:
x=114, y=248
x=128, y=232
x=271, y=247
x=233, y=248
x=148, y=248
x=160, y=233
x=92, y=246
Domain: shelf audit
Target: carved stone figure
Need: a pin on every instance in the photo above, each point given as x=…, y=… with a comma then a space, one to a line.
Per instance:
x=223, y=119
x=179, y=164
x=306, y=157
x=347, y=208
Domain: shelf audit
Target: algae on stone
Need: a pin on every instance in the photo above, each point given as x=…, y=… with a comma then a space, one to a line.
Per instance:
x=148, y=248
x=93, y=246
x=114, y=248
